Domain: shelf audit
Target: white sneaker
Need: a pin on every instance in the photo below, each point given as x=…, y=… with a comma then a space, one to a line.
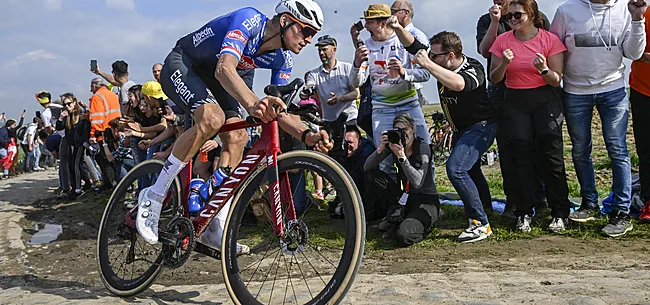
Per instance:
x=212, y=236
x=523, y=224
x=475, y=232
x=148, y=216
x=558, y=224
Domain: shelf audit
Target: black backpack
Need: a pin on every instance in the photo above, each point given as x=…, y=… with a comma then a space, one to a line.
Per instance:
x=20, y=133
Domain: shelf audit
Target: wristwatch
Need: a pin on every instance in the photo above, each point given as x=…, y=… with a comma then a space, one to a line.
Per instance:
x=401, y=160
x=544, y=72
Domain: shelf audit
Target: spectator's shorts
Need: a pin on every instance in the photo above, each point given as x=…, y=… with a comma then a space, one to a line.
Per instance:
x=189, y=85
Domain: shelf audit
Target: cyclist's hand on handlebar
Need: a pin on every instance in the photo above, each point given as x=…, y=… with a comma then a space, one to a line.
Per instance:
x=209, y=145
x=265, y=110
x=320, y=141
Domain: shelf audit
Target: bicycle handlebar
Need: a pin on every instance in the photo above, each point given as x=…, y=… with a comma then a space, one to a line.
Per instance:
x=287, y=93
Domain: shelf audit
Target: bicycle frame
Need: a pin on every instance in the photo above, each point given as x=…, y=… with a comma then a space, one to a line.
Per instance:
x=268, y=145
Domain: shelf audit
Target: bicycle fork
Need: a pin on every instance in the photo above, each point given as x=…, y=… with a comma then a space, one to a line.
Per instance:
x=279, y=193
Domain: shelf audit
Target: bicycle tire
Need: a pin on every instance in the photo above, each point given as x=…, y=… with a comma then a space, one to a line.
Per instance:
x=111, y=280
x=343, y=277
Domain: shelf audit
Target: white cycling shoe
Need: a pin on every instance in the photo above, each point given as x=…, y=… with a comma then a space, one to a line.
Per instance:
x=212, y=236
x=148, y=216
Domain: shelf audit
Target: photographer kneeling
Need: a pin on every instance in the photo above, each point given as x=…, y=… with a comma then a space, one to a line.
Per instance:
x=413, y=202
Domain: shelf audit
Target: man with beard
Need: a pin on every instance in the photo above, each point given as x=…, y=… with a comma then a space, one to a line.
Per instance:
x=332, y=83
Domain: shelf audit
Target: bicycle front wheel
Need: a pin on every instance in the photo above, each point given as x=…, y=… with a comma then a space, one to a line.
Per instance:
x=316, y=260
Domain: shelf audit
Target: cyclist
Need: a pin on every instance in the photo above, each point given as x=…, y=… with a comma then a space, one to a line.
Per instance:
x=215, y=57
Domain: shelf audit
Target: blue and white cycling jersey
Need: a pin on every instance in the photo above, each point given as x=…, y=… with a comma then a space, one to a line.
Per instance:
x=240, y=34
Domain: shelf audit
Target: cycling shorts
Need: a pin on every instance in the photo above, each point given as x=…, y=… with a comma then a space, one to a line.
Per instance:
x=189, y=85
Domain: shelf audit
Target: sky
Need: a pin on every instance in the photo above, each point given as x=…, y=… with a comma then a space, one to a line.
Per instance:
x=48, y=44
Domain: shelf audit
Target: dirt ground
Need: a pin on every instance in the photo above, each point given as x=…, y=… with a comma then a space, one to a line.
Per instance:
x=70, y=260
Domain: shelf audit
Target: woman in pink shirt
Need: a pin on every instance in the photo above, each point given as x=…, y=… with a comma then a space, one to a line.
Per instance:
x=532, y=59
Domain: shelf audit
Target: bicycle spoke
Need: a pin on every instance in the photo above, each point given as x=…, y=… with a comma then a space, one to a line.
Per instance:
x=322, y=256
x=312, y=266
x=304, y=279
x=267, y=276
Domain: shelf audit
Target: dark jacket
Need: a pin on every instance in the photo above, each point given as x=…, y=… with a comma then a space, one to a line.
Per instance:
x=4, y=137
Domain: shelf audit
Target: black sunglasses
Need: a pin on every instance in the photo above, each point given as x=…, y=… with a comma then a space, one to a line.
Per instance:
x=434, y=55
x=68, y=104
x=306, y=30
x=517, y=15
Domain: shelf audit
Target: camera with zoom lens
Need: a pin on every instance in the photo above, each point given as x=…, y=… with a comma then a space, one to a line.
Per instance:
x=396, y=136
x=336, y=130
x=309, y=91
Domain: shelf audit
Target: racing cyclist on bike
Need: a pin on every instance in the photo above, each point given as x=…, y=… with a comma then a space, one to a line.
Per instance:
x=220, y=57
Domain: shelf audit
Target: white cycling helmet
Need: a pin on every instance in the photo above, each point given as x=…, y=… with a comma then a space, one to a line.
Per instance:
x=305, y=11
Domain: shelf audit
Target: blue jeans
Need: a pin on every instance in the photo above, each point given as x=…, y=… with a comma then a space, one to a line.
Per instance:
x=464, y=166
x=382, y=120
x=614, y=111
x=298, y=193
x=122, y=167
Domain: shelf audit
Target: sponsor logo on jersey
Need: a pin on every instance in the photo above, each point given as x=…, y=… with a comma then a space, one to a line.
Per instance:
x=252, y=22
x=247, y=63
x=285, y=75
x=381, y=63
x=185, y=94
x=237, y=35
x=236, y=48
x=202, y=36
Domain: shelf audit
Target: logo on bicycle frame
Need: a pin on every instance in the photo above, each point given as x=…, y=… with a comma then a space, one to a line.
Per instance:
x=225, y=192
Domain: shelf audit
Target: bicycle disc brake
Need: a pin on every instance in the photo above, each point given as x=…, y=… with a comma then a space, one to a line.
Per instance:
x=182, y=230
x=295, y=237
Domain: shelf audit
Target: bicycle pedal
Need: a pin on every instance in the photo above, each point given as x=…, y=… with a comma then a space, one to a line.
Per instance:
x=208, y=251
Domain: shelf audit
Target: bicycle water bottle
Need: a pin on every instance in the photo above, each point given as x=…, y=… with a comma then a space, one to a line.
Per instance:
x=195, y=203
x=393, y=55
x=213, y=183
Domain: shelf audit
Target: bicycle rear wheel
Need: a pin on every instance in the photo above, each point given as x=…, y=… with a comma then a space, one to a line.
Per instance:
x=127, y=264
x=316, y=261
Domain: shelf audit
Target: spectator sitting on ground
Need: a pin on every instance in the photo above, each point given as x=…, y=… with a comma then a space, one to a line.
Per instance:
x=359, y=149
x=413, y=202
x=122, y=156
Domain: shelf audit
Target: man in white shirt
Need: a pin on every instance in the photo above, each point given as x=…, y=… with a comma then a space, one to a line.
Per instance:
x=332, y=81
x=598, y=34
x=404, y=11
x=44, y=98
x=27, y=144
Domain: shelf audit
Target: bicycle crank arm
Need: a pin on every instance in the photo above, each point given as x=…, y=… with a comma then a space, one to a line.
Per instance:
x=205, y=250
x=167, y=239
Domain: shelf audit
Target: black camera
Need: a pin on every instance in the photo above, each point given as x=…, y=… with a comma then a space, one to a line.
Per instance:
x=396, y=136
x=309, y=91
x=336, y=130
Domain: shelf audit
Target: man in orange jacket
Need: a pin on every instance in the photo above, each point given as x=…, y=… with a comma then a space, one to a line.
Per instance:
x=104, y=106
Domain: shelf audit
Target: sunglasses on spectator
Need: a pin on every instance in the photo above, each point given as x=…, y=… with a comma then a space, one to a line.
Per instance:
x=517, y=15
x=68, y=104
x=393, y=12
x=307, y=30
x=434, y=55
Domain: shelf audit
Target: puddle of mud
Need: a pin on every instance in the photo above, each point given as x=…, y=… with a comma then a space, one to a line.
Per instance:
x=45, y=233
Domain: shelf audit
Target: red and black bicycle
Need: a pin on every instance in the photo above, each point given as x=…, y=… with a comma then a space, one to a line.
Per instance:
x=300, y=259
